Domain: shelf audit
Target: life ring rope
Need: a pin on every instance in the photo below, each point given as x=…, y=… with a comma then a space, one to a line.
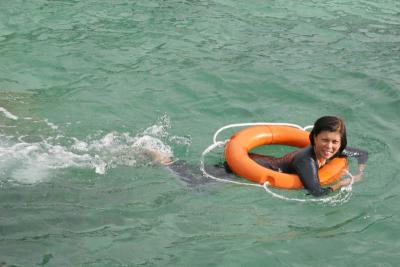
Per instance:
x=235, y=125
x=202, y=166
x=341, y=197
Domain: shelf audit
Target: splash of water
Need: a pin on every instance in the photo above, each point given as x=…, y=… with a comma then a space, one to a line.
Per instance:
x=29, y=162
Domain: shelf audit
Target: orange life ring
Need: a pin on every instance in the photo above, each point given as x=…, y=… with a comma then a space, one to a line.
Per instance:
x=239, y=145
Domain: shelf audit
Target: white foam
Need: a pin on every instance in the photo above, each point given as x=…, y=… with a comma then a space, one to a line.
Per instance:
x=51, y=125
x=155, y=130
x=32, y=162
x=8, y=114
x=80, y=145
x=152, y=143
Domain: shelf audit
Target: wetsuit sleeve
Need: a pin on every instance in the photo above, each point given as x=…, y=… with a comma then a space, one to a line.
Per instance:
x=359, y=154
x=307, y=169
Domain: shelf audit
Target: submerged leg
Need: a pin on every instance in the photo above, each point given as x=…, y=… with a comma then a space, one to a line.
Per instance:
x=266, y=161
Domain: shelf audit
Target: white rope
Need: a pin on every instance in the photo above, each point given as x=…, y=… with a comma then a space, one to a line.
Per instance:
x=346, y=190
x=202, y=166
x=324, y=200
x=333, y=199
x=253, y=124
x=308, y=127
x=350, y=186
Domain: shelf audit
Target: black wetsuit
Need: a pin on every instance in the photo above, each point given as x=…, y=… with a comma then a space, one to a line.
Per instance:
x=193, y=176
x=302, y=162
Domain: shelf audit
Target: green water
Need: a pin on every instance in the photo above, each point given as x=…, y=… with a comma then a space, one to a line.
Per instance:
x=85, y=86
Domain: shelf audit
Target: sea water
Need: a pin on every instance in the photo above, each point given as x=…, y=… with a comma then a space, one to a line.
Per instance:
x=87, y=87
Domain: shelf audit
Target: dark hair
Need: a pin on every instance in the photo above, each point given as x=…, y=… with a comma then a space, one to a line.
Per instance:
x=330, y=124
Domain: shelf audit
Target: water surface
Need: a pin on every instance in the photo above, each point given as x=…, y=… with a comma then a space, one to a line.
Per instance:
x=87, y=86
